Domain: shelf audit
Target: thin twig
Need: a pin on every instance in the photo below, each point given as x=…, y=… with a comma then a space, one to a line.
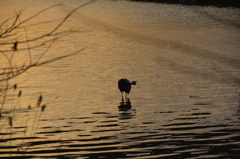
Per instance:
x=25, y=68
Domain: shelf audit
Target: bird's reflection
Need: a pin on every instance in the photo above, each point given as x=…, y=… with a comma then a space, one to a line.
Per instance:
x=125, y=106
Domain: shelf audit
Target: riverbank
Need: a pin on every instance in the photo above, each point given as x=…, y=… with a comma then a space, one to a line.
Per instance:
x=218, y=3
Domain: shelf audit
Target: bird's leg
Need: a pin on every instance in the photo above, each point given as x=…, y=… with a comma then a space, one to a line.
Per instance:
x=126, y=97
x=122, y=96
x=128, y=100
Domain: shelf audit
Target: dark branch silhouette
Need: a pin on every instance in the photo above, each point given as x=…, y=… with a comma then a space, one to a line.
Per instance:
x=12, y=42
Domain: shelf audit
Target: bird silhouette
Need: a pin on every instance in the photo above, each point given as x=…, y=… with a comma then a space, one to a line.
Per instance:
x=124, y=86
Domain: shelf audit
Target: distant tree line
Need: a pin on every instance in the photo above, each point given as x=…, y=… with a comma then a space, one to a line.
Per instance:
x=220, y=3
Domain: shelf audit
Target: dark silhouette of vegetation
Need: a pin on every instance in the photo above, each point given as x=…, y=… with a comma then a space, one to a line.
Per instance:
x=12, y=44
x=219, y=3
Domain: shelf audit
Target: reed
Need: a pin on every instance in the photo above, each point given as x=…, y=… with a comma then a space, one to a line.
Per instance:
x=10, y=47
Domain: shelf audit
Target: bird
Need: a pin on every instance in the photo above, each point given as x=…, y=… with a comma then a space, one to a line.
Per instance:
x=124, y=86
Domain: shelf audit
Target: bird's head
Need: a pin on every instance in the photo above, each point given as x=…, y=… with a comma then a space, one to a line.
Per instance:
x=133, y=82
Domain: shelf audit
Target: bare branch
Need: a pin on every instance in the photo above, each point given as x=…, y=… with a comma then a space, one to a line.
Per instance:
x=14, y=44
x=50, y=33
x=13, y=26
x=24, y=68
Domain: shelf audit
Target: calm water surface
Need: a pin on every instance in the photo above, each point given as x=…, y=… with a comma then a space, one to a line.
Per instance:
x=185, y=104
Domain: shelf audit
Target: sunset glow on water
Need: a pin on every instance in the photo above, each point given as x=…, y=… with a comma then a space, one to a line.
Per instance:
x=184, y=58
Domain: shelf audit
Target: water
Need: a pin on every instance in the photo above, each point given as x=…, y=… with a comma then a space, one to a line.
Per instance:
x=185, y=60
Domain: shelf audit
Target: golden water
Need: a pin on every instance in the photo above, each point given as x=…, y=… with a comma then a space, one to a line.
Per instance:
x=185, y=60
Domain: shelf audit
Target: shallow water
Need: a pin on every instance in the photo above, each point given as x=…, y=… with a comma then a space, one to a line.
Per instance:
x=185, y=60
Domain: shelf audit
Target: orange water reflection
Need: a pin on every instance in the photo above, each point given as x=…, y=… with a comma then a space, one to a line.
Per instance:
x=187, y=85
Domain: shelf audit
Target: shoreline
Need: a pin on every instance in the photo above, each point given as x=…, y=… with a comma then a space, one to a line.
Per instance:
x=217, y=3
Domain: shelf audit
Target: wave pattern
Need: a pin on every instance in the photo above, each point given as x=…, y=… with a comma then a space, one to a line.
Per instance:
x=119, y=135
x=185, y=105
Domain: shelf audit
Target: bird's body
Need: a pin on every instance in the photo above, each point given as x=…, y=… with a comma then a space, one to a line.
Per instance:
x=124, y=85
